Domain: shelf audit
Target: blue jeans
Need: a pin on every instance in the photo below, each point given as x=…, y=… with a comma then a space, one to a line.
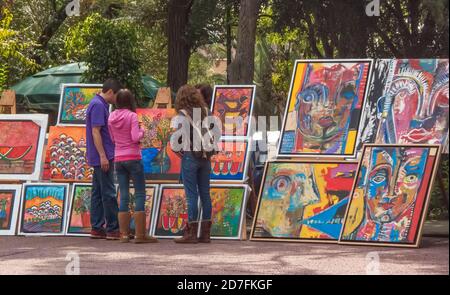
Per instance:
x=126, y=171
x=104, y=206
x=195, y=174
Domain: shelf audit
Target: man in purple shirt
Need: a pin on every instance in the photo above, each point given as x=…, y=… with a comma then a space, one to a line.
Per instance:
x=100, y=156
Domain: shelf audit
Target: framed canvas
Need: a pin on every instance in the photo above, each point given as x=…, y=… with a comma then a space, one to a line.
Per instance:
x=324, y=108
x=66, y=158
x=228, y=211
x=74, y=101
x=43, y=209
x=303, y=200
x=160, y=162
x=410, y=98
x=79, y=212
x=231, y=162
x=390, y=196
x=22, y=140
x=151, y=193
x=233, y=105
x=9, y=208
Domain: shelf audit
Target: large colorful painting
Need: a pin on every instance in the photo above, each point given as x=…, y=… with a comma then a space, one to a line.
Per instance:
x=230, y=164
x=324, y=107
x=233, y=105
x=75, y=99
x=411, y=100
x=9, y=208
x=303, y=201
x=43, y=209
x=228, y=211
x=391, y=195
x=160, y=162
x=79, y=218
x=66, y=155
x=21, y=146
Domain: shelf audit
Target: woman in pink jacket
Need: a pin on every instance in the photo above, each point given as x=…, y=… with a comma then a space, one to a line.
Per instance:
x=126, y=134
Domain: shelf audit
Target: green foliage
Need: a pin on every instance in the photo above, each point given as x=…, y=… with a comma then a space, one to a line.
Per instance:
x=438, y=209
x=111, y=50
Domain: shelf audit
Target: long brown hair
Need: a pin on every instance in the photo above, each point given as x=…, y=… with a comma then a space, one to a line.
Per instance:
x=188, y=98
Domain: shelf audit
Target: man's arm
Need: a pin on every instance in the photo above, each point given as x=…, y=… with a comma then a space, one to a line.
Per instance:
x=104, y=162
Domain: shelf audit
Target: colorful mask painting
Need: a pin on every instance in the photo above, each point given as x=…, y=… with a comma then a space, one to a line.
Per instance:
x=9, y=208
x=21, y=146
x=303, y=201
x=150, y=195
x=172, y=216
x=391, y=194
x=324, y=107
x=75, y=99
x=79, y=223
x=160, y=162
x=66, y=154
x=43, y=209
x=230, y=164
x=233, y=105
x=413, y=106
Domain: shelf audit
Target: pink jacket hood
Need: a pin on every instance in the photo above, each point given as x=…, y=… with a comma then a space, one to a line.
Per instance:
x=125, y=132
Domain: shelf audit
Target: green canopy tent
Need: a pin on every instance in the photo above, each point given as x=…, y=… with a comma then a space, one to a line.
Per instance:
x=41, y=92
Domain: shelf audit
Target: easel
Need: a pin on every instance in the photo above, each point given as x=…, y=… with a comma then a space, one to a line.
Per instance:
x=8, y=102
x=163, y=99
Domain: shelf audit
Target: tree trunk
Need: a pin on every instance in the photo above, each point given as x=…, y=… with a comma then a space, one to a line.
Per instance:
x=229, y=38
x=178, y=45
x=242, y=68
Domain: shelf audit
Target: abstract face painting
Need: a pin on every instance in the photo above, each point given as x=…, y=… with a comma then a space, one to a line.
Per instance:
x=324, y=108
x=414, y=105
x=80, y=210
x=391, y=191
x=21, y=143
x=75, y=99
x=231, y=161
x=43, y=209
x=9, y=208
x=233, y=106
x=172, y=212
x=160, y=162
x=66, y=154
x=303, y=201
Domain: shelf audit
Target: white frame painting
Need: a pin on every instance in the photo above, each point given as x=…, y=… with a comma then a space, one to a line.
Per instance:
x=14, y=213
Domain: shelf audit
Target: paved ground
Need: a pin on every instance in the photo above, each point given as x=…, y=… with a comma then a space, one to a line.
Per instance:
x=47, y=255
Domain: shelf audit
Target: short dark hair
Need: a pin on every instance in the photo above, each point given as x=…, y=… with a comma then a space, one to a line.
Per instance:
x=206, y=91
x=126, y=100
x=111, y=84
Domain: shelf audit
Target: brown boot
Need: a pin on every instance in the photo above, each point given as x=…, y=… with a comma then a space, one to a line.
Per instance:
x=189, y=235
x=124, y=226
x=141, y=232
x=205, y=232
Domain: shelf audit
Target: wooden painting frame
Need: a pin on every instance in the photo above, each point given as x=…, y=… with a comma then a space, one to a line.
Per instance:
x=14, y=211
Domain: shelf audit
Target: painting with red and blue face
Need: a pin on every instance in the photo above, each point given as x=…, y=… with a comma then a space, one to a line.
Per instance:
x=391, y=190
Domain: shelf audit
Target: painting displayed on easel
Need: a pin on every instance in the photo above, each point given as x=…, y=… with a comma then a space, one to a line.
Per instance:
x=21, y=146
x=9, y=208
x=75, y=99
x=391, y=194
x=171, y=212
x=66, y=154
x=228, y=211
x=233, y=105
x=79, y=218
x=160, y=162
x=150, y=197
x=230, y=164
x=408, y=102
x=43, y=209
x=324, y=108
x=303, y=201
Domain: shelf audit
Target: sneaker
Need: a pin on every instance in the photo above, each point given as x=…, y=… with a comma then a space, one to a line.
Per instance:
x=96, y=234
x=113, y=236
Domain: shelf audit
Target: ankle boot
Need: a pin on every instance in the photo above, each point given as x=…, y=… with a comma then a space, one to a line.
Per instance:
x=124, y=226
x=189, y=235
x=141, y=232
x=205, y=232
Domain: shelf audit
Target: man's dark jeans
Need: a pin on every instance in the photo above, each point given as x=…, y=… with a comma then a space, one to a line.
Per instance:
x=104, y=207
x=196, y=174
x=126, y=171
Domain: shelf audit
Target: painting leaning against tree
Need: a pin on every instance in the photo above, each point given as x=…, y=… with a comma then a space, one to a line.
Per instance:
x=303, y=200
x=391, y=195
x=75, y=99
x=43, y=209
